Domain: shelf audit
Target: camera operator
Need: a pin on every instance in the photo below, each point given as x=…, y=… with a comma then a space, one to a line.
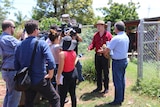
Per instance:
x=71, y=28
x=78, y=38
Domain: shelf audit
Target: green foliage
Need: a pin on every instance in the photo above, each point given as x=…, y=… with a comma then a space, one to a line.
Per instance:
x=20, y=19
x=81, y=10
x=0, y=30
x=43, y=9
x=88, y=69
x=133, y=59
x=5, y=6
x=2, y=16
x=45, y=23
x=87, y=35
x=116, y=12
x=123, y=12
x=149, y=87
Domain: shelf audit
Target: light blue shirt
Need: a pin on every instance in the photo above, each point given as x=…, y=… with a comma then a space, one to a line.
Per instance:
x=0, y=51
x=119, y=45
x=7, y=46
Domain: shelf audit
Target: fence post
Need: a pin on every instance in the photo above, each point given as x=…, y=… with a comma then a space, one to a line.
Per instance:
x=140, y=50
x=109, y=26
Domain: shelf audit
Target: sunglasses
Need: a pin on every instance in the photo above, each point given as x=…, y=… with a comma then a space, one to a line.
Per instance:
x=13, y=27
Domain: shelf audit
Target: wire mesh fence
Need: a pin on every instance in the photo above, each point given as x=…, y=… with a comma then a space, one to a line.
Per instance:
x=148, y=49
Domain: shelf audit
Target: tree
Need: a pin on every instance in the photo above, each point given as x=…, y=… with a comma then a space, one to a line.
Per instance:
x=5, y=6
x=45, y=23
x=20, y=18
x=118, y=11
x=2, y=15
x=81, y=10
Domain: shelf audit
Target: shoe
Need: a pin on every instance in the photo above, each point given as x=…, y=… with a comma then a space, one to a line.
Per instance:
x=114, y=103
x=96, y=90
x=79, y=81
x=66, y=100
x=21, y=106
x=105, y=91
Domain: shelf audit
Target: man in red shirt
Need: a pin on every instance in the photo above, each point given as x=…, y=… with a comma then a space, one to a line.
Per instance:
x=101, y=63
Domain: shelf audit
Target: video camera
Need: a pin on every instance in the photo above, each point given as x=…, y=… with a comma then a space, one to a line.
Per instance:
x=73, y=30
x=70, y=26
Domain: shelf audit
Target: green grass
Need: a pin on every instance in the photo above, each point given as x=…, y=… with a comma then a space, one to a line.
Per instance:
x=151, y=70
x=132, y=98
x=131, y=71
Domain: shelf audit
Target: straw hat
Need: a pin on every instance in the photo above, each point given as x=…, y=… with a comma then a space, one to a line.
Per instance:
x=100, y=22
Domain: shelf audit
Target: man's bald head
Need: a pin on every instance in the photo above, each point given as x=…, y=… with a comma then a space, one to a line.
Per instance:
x=6, y=24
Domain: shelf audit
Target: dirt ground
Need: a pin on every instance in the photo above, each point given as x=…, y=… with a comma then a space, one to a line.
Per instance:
x=3, y=91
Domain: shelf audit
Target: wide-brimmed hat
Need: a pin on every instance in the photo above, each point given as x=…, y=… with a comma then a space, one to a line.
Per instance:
x=68, y=43
x=100, y=22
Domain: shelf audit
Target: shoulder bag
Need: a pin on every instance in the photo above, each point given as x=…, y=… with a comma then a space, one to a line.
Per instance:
x=22, y=78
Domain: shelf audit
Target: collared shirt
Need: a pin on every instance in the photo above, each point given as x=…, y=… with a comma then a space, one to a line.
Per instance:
x=119, y=46
x=43, y=55
x=98, y=41
x=7, y=45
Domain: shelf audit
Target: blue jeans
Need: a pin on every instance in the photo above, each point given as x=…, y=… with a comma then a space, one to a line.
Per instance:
x=79, y=70
x=118, y=72
x=12, y=96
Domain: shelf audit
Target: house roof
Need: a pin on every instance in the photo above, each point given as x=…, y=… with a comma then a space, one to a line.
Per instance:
x=136, y=22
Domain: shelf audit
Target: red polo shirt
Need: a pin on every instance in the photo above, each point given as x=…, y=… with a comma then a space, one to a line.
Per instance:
x=98, y=41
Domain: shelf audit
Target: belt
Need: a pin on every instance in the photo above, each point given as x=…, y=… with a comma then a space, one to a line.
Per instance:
x=6, y=69
x=99, y=54
x=119, y=59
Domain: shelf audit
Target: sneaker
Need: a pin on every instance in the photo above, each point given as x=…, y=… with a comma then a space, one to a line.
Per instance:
x=66, y=101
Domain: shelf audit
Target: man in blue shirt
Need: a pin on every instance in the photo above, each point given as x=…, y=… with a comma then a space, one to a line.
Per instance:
x=118, y=49
x=40, y=78
x=7, y=47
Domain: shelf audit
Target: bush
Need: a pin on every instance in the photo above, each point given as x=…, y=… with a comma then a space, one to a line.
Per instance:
x=87, y=35
x=134, y=60
x=89, y=69
x=149, y=87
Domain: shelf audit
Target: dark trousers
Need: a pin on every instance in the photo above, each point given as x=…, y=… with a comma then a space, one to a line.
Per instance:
x=69, y=85
x=102, y=65
x=53, y=80
x=118, y=72
x=46, y=89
